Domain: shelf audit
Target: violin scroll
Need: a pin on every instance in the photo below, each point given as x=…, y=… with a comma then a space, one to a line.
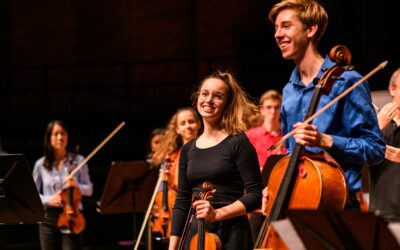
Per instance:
x=209, y=189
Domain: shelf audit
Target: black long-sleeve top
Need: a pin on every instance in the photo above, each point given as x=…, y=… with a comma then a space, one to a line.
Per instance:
x=232, y=168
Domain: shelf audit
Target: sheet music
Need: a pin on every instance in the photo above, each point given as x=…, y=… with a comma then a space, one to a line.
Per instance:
x=394, y=228
x=288, y=234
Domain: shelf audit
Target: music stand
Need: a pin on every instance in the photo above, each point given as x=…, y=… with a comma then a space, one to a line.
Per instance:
x=341, y=230
x=19, y=198
x=129, y=187
x=268, y=166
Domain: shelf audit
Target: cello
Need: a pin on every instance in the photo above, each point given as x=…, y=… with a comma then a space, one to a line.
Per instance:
x=203, y=239
x=293, y=176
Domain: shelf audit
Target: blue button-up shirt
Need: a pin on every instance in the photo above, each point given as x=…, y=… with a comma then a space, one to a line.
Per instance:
x=351, y=122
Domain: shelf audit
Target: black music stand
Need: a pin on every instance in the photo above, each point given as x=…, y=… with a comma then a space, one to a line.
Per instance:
x=128, y=189
x=19, y=198
x=341, y=230
x=268, y=166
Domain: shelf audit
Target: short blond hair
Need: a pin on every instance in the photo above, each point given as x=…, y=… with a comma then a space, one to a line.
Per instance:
x=270, y=94
x=309, y=12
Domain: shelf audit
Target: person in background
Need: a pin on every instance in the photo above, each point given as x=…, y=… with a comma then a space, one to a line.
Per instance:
x=223, y=156
x=154, y=142
x=269, y=131
x=183, y=126
x=262, y=137
x=50, y=173
x=348, y=130
x=384, y=200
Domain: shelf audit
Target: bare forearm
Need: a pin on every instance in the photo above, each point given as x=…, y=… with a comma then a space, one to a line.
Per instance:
x=232, y=210
x=173, y=242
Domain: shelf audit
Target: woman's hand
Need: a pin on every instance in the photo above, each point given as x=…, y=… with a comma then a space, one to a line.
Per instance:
x=71, y=182
x=204, y=210
x=55, y=200
x=264, y=200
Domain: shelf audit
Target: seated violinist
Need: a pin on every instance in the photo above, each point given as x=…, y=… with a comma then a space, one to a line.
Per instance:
x=50, y=173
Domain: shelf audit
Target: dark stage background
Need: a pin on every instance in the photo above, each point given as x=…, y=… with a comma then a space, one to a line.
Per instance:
x=97, y=63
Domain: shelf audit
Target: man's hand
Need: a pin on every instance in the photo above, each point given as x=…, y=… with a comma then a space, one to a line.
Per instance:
x=308, y=135
x=387, y=113
x=392, y=154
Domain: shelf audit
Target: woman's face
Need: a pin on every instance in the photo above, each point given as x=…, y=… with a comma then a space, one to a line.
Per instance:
x=155, y=142
x=212, y=99
x=187, y=125
x=59, y=138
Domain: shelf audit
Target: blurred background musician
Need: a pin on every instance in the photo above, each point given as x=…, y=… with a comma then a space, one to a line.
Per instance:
x=49, y=174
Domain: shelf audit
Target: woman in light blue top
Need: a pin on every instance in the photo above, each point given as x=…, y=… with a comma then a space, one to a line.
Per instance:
x=49, y=174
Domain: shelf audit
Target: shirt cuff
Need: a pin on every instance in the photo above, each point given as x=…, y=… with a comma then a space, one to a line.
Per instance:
x=339, y=145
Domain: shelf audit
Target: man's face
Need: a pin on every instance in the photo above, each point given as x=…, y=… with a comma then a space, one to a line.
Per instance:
x=270, y=110
x=394, y=90
x=291, y=35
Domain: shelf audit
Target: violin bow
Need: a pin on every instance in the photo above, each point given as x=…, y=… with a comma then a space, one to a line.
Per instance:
x=347, y=91
x=82, y=163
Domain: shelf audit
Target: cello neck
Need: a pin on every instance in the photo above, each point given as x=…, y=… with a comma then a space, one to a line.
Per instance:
x=286, y=186
x=284, y=193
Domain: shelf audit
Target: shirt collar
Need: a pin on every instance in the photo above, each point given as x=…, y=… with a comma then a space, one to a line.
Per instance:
x=295, y=76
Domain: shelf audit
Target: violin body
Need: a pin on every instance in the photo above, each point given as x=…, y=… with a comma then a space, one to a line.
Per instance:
x=318, y=185
x=71, y=220
x=211, y=242
x=161, y=213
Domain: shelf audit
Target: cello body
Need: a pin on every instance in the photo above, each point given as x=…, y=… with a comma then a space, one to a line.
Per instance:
x=318, y=185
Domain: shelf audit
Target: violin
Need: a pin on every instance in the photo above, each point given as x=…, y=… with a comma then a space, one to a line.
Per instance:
x=162, y=209
x=203, y=239
x=302, y=181
x=71, y=220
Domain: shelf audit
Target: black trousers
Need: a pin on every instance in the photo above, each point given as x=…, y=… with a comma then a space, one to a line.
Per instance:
x=51, y=237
